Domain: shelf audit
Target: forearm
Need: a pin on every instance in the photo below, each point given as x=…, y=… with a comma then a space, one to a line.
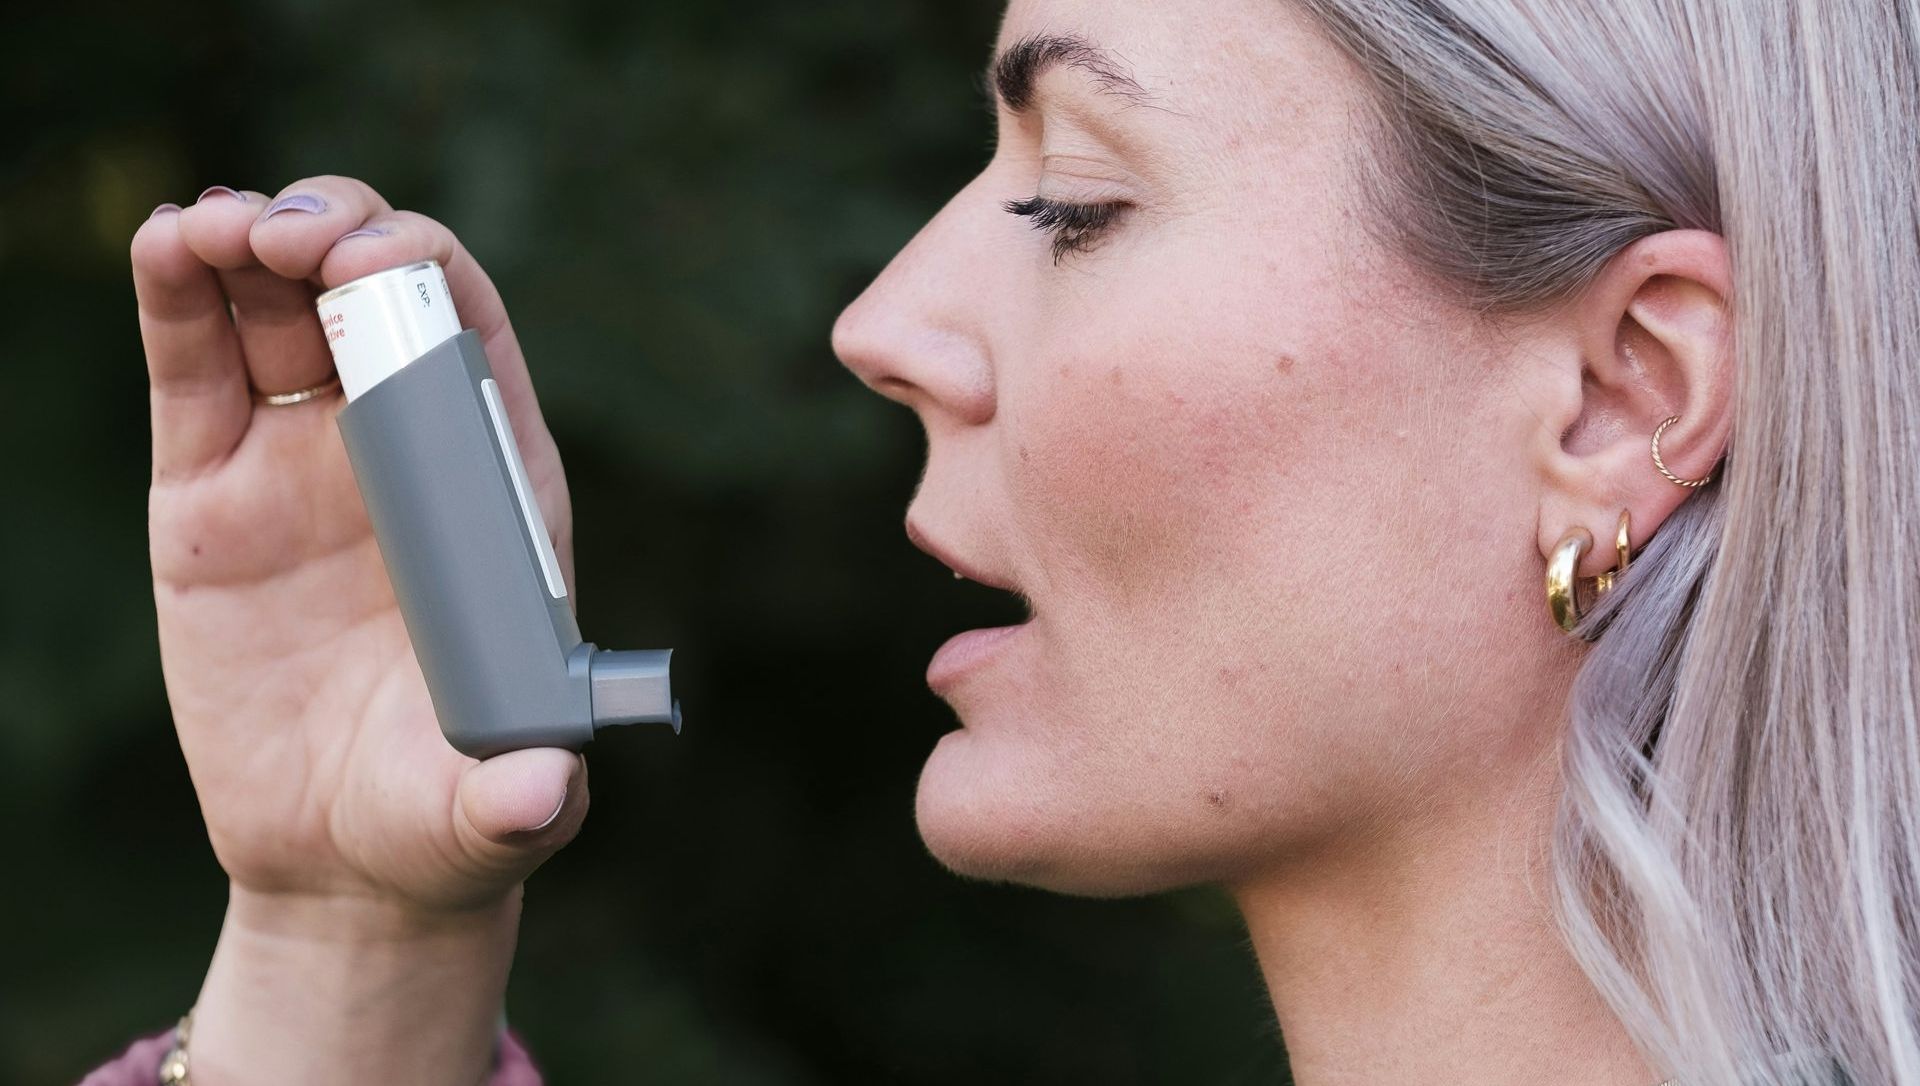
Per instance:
x=306, y=991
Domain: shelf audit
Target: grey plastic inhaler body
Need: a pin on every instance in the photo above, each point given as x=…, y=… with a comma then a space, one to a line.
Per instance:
x=463, y=540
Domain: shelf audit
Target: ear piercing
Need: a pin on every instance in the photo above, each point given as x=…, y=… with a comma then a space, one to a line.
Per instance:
x=1662, y=464
x=1563, y=597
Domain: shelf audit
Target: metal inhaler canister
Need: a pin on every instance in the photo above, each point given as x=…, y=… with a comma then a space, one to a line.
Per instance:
x=472, y=566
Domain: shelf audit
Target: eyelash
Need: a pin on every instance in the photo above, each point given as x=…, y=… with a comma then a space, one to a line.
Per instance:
x=1074, y=227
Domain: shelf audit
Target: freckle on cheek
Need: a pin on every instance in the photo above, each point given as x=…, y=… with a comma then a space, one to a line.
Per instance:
x=1284, y=365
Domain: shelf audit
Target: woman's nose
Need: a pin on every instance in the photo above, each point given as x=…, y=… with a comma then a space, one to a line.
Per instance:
x=919, y=333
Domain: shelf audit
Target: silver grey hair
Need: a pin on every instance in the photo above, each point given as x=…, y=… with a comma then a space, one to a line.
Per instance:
x=1737, y=852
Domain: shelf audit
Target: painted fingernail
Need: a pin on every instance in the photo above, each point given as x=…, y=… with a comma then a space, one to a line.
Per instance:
x=220, y=190
x=163, y=207
x=365, y=232
x=299, y=201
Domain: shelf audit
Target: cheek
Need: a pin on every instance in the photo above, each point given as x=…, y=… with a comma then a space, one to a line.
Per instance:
x=1222, y=487
x=1219, y=532
x=1138, y=465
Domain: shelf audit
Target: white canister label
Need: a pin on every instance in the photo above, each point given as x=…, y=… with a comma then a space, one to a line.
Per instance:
x=378, y=323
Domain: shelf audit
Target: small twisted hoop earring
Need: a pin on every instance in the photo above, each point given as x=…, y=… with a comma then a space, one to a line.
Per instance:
x=1662, y=464
x=1563, y=591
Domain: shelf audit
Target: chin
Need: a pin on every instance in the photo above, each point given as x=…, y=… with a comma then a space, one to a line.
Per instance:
x=996, y=817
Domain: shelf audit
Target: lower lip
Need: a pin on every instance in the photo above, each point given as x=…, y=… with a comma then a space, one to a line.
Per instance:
x=966, y=653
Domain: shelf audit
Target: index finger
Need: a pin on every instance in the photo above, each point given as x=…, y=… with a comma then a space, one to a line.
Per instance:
x=302, y=231
x=306, y=233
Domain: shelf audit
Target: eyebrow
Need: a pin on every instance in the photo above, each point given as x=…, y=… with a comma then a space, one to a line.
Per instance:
x=1014, y=73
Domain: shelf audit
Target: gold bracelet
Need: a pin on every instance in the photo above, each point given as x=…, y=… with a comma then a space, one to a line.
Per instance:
x=173, y=1066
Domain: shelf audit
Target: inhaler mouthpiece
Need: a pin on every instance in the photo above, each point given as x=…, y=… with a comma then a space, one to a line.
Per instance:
x=460, y=530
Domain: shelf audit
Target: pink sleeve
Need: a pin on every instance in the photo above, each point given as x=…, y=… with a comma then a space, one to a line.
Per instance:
x=139, y=1065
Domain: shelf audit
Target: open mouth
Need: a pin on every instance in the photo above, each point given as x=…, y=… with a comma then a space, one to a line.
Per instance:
x=1005, y=611
x=998, y=604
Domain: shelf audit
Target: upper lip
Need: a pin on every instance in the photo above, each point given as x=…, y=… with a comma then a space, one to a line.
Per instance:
x=926, y=543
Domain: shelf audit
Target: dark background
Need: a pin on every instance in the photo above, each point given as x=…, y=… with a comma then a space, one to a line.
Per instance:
x=675, y=200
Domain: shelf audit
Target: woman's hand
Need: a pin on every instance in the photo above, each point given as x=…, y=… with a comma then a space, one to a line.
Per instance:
x=340, y=813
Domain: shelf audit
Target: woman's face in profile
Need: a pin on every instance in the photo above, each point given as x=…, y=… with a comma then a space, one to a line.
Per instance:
x=1257, y=484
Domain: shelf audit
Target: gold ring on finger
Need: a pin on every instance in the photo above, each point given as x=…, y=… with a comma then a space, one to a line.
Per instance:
x=298, y=395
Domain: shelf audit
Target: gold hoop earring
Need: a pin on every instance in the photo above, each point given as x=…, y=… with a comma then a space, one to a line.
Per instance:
x=1604, y=583
x=1563, y=588
x=1662, y=464
x=1562, y=593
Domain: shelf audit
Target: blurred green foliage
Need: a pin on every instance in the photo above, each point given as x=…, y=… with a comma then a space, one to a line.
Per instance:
x=675, y=199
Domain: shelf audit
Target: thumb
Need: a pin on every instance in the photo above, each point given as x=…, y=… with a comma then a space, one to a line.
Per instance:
x=514, y=810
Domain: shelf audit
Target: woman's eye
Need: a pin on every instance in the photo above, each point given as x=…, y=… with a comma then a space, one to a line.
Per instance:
x=1074, y=227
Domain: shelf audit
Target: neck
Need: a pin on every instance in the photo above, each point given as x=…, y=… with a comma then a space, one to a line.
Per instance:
x=1434, y=957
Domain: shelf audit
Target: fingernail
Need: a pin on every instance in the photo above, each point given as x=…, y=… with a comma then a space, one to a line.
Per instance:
x=365, y=232
x=163, y=207
x=299, y=201
x=220, y=190
x=550, y=818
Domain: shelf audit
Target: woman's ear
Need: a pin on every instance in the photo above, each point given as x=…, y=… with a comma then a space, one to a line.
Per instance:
x=1648, y=339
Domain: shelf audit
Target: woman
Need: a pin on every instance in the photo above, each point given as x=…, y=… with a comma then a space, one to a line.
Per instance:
x=1300, y=364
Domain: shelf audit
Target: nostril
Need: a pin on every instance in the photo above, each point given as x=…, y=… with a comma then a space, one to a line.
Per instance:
x=927, y=355
x=893, y=388
x=861, y=349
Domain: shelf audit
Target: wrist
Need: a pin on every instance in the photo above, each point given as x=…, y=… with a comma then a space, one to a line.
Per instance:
x=305, y=989
x=366, y=922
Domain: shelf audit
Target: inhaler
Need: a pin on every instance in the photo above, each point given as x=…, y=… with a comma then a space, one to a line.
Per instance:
x=472, y=566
